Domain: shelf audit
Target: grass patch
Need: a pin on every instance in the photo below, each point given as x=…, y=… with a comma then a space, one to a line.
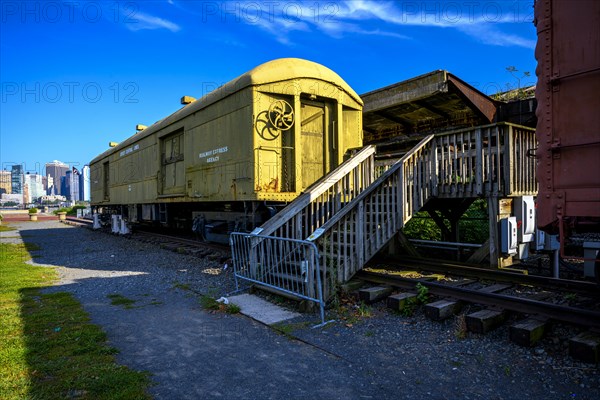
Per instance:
x=287, y=329
x=211, y=304
x=182, y=286
x=5, y=228
x=120, y=300
x=48, y=347
x=349, y=310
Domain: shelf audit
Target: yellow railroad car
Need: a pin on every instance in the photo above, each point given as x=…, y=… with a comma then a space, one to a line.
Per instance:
x=226, y=161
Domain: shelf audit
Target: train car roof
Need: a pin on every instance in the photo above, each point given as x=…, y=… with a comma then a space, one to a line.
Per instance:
x=274, y=71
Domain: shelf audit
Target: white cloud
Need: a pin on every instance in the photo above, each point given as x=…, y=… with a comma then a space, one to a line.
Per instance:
x=283, y=20
x=488, y=34
x=141, y=21
x=480, y=21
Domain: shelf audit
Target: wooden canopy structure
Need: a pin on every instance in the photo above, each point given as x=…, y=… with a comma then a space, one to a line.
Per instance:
x=430, y=103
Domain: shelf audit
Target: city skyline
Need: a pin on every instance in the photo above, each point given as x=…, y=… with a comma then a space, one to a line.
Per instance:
x=58, y=179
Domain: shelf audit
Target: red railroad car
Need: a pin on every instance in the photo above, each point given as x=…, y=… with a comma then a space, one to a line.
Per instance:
x=568, y=112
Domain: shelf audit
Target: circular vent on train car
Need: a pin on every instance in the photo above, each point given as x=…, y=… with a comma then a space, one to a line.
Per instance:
x=281, y=115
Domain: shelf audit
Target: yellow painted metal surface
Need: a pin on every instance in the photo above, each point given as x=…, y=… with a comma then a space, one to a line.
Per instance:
x=256, y=138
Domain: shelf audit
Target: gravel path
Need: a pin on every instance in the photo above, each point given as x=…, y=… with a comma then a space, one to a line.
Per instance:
x=193, y=354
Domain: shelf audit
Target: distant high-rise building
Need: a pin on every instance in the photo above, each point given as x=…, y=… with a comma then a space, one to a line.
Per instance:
x=5, y=182
x=74, y=185
x=16, y=178
x=70, y=185
x=35, y=188
x=26, y=198
x=64, y=185
x=50, y=189
x=84, y=184
x=57, y=170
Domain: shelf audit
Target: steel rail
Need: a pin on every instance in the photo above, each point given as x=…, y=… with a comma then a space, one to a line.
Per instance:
x=78, y=221
x=183, y=241
x=527, y=306
x=582, y=287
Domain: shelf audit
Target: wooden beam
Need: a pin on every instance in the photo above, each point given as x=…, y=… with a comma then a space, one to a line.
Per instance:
x=480, y=254
x=407, y=245
x=395, y=119
x=481, y=104
x=433, y=109
x=439, y=221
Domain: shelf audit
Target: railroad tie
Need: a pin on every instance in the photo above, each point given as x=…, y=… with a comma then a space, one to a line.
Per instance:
x=527, y=332
x=442, y=309
x=585, y=347
x=375, y=293
x=484, y=321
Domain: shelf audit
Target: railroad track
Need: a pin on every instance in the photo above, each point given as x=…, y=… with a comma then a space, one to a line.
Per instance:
x=78, y=221
x=534, y=295
x=184, y=245
x=170, y=242
x=430, y=265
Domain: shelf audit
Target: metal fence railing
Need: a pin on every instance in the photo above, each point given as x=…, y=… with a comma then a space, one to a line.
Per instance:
x=287, y=265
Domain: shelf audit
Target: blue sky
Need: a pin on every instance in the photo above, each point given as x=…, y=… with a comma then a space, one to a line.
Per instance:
x=78, y=74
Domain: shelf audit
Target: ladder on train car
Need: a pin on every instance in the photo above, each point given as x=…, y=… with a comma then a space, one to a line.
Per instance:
x=351, y=214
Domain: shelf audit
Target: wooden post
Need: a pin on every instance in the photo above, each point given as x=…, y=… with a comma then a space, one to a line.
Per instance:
x=494, y=242
x=478, y=163
x=497, y=210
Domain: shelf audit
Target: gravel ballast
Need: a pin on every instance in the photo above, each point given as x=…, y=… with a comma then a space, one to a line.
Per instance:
x=195, y=354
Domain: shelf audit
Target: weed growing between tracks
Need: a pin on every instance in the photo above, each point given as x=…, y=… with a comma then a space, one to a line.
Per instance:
x=48, y=347
x=211, y=304
x=460, y=329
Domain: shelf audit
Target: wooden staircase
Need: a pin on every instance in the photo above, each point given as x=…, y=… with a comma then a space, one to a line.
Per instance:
x=351, y=214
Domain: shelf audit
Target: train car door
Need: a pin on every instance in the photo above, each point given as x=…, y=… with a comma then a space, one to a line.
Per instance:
x=106, y=183
x=312, y=130
x=172, y=167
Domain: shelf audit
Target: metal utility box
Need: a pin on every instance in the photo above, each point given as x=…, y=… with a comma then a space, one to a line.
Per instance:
x=522, y=251
x=545, y=241
x=508, y=235
x=590, y=254
x=524, y=208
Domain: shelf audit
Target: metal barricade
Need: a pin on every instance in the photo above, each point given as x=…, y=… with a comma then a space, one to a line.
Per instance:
x=288, y=265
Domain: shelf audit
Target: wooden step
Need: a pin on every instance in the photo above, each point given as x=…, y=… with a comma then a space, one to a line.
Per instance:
x=286, y=277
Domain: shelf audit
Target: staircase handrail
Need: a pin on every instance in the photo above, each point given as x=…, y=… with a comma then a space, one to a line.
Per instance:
x=312, y=193
x=365, y=193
